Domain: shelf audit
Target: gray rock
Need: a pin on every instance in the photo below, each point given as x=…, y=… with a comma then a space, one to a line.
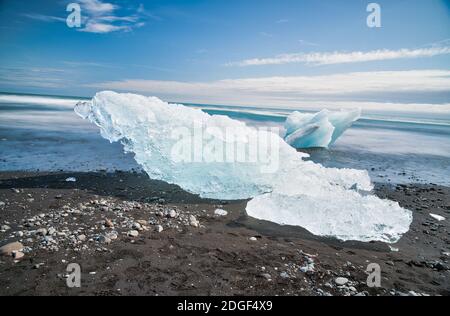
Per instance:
x=5, y=228
x=159, y=228
x=133, y=233
x=267, y=276
x=41, y=232
x=173, y=214
x=136, y=226
x=104, y=239
x=284, y=275
x=81, y=237
x=341, y=281
x=193, y=221
x=2, y=203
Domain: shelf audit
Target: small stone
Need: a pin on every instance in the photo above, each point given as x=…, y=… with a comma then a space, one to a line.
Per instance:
x=15, y=190
x=37, y=266
x=41, y=232
x=5, y=228
x=220, y=212
x=253, y=239
x=103, y=239
x=267, y=276
x=173, y=214
x=51, y=231
x=136, y=226
x=81, y=237
x=193, y=221
x=8, y=249
x=2, y=204
x=18, y=255
x=109, y=223
x=341, y=281
x=71, y=179
x=133, y=233
x=159, y=228
x=141, y=222
x=284, y=275
x=112, y=235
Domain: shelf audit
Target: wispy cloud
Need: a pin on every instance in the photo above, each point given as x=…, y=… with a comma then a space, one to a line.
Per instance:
x=42, y=77
x=330, y=58
x=43, y=18
x=103, y=17
x=291, y=90
x=97, y=7
x=307, y=43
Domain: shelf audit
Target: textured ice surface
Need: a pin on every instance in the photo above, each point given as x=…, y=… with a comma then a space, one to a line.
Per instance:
x=328, y=202
x=305, y=130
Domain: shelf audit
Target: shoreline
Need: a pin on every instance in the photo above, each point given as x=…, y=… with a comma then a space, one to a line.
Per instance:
x=91, y=220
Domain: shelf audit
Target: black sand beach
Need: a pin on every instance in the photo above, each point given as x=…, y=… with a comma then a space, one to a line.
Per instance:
x=133, y=236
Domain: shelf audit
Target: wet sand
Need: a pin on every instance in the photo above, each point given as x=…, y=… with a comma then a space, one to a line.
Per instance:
x=94, y=221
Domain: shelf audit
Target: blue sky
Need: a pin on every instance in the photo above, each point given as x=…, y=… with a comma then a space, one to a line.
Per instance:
x=254, y=52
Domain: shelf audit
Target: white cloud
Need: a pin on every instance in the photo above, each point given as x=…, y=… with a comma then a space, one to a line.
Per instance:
x=97, y=7
x=100, y=17
x=329, y=58
x=290, y=91
x=95, y=27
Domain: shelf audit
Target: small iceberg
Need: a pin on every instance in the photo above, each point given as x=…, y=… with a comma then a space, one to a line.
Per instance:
x=167, y=138
x=320, y=130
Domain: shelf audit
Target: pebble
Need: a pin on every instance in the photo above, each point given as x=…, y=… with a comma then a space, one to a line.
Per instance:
x=253, y=239
x=18, y=255
x=41, y=232
x=136, y=226
x=341, y=281
x=81, y=237
x=5, y=228
x=267, y=276
x=2, y=203
x=220, y=212
x=159, y=228
x=193, y=221
x=284, y=275
x=8, y=249
x=109, y=223
x=173, y=214
x=71, y=179
x=103, y=239
x=133, y=233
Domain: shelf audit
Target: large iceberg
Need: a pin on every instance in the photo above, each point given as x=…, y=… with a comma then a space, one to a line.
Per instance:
x=306, y=130
x=200, y=153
